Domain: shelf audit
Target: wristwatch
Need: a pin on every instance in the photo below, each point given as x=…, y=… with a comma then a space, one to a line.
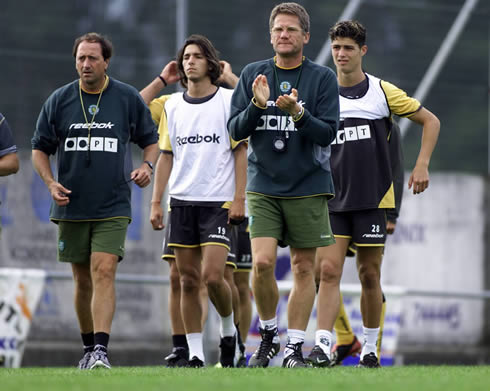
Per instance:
x=297, y=116
x=149, y=164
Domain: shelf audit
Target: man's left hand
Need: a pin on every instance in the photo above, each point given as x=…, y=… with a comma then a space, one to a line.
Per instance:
x=289, y=103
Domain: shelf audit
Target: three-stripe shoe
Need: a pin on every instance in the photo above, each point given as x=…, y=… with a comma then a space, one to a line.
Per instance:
x=267, y=349
x=318, y=358
x=295, y=358
x=369, y=361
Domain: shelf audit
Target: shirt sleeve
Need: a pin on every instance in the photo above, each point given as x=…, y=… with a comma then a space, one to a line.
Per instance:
x=235, y=144
x=156, y=107
x=398, y=100
x=45, y=136
x=143, y=130
x=164, y=137
x=244, y=114
x=7, y=144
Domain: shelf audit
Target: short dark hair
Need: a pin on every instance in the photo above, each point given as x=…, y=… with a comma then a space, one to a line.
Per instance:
x=105, y=44
x=291, y=9
x=349, y=29
x=209, y=52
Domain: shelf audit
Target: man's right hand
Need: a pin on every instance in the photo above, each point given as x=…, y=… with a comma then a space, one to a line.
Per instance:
x=59, y=193
x=261, y=90
x=171, y=72
x=156, y=216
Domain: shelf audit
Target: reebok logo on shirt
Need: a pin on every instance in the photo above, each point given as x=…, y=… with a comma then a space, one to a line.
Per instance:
x=197, y=139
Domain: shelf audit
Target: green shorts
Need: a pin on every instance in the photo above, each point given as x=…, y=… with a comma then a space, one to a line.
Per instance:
x=296, y=222
x=77, y=240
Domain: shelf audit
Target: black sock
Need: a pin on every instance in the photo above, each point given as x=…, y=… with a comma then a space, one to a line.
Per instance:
x=180, y=341
x=101, y=339
x=239, y=337
x=88, y=341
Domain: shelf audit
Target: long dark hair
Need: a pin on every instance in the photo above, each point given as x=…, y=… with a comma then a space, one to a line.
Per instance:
x=209, y=52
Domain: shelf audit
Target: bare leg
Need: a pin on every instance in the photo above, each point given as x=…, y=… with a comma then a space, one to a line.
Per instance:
x=369, y=267
x=229, y=272
x=189, y=266
x=83, y=296
x=214, y=259
x=242, y=282
x=204, y=299
x=176, y=322
x=331, y=262
x=302, y=295
x=264, y=284
x=103, y=269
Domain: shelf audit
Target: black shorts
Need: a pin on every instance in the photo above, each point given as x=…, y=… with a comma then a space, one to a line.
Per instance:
x=363, y=227
x=241, y=251
x=196, y=224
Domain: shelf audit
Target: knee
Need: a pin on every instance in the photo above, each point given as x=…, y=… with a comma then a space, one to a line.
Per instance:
x=243, y=290
x=103, y=271
x=302, y=268
x=369, y=275
x=83, y=282
x=263, y=265
x=330, y=272
x=190, y=283
x=213, y=280
x=174, y=281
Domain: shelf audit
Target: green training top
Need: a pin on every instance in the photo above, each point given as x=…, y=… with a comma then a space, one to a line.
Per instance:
x=302, y=168
x=99, y=176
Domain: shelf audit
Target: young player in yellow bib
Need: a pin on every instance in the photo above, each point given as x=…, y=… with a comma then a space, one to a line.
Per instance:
x=363, y=181
x=347, y=343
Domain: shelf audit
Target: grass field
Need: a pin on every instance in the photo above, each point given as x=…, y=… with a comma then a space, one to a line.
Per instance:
x=411, y=378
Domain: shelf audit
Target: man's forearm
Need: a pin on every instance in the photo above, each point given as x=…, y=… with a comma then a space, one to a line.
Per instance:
x=40, y=161
x=150, y=153
x=152, y=90
x=162, y=174
x=9, y=164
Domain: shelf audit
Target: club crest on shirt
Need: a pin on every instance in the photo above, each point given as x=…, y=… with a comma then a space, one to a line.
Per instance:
x=93, y=109
x=285, y=86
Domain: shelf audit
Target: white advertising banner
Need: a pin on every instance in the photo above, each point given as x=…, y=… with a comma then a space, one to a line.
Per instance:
x=20, y=291
x=438, y=245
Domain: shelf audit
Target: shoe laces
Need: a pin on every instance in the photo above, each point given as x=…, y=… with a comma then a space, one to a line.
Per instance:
x=100, y=353
x=85, y=359
x=297, y=352
x=266, y=343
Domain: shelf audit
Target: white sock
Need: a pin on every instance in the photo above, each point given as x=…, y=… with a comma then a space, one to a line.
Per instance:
x=194, y=340
x=268, y=324
x=323, y=338
x=294, y=336
x=370, y=338
x=227, y=327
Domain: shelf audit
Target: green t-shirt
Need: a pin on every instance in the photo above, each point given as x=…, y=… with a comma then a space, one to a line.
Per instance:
x=99, y=178
x=303, y=168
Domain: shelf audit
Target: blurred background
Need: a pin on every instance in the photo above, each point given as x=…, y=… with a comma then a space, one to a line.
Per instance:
x=442, y=239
